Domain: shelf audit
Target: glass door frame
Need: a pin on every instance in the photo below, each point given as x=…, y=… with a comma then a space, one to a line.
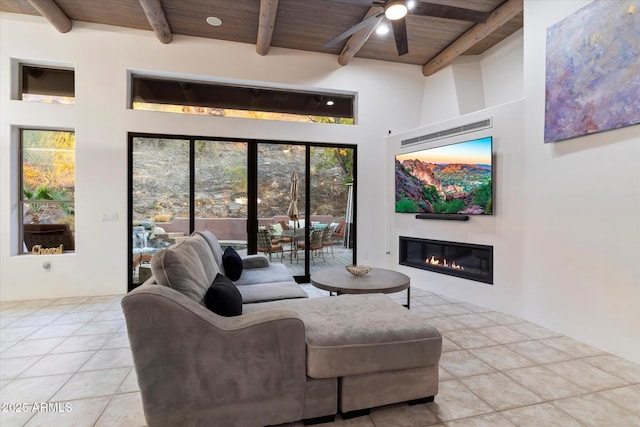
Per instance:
x=252, y=189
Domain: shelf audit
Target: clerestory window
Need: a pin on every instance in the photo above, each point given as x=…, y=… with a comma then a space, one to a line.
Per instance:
x=206, y=98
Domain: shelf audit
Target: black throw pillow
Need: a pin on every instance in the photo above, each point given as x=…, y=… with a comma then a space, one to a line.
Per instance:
x=223, y=297
x=232, y=263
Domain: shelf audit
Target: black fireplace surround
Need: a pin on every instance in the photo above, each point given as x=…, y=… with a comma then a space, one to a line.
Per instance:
x=466, y=260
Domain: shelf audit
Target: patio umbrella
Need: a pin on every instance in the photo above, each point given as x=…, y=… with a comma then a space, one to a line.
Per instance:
x=293, y=212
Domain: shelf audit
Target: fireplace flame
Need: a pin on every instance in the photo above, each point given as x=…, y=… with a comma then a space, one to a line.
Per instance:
x=437, y=262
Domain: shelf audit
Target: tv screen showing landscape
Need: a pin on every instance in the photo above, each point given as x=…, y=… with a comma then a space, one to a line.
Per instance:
x=452, y=179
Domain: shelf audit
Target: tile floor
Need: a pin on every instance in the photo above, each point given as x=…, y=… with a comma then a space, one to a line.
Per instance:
x=66, y=362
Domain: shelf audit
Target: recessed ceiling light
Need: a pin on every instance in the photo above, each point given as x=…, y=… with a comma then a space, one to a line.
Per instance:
x=330, y=103
x=411, y=4
x=214, y=21
x=382, y=29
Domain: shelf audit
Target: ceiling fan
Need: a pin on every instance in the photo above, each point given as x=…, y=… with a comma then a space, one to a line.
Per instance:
x=396, y=12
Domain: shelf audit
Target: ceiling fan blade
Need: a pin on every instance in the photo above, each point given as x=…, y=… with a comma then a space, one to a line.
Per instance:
x=365, y=23
x=400, y=34
x=449, y=12
x=359, y=2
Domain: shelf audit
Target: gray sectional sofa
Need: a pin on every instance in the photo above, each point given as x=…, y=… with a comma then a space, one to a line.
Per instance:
x=285, y=358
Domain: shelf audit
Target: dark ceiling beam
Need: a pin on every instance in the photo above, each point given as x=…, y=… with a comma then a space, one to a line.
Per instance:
x=157, y=20
x=500, y=16
x=52, y=12
x=266, y=24
x=357, y=40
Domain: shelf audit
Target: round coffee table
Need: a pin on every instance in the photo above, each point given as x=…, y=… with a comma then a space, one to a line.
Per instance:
x=378, y=280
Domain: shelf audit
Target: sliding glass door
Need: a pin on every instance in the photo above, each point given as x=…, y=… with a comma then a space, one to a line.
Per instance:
x=289, y=201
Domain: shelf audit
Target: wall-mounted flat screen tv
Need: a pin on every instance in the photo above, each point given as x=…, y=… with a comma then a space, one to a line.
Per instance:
x=451, y=179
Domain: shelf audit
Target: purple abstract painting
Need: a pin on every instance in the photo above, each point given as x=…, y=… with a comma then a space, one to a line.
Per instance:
x=593, y=70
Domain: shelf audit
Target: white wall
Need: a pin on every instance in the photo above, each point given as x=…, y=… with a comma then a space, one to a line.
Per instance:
x=582, y=236
x=503, y=230
x=102, y=56
x=566, y=230
x=475, y=82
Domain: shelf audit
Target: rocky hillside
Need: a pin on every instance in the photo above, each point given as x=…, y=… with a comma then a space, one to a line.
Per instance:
x=161, y=180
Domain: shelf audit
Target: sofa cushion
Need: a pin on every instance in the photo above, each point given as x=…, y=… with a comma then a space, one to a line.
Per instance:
x=232, y=263
x=216, y=250
x=179, y=267
x=271, y=292
x=223, y=298
x=361, y=334
x=204, y=252
x=273, y=273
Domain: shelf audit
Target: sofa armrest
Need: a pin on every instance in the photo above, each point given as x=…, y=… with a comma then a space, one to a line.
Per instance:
x=194, y=366
x=255, y=261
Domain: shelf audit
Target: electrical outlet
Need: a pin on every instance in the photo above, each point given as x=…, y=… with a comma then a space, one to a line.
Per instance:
x=109, y=216
x=46, y=266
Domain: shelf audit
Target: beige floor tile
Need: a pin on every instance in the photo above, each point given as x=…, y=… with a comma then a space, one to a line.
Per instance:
x=443, y=374
x=79, y=413
x=109, y=358
x=75, y=318
x=448, y=345
x=63, y=363
x=500, y=391
x=102, y=327
x=124, y=410
x=628, y=397
x=474, y=320
x=464, y=364
x=501, y=357
x=82, y=343
x=403, y=415
x=118, y=340
x=616, y=366
x=501, y=318
x=593, y=411
x=533, y=331
x=572, y=347
x=474, y=308
x=109, y=315
x=502, y=334
x=364, y=421
x=15, y=417
x=451, y=309
x=539, y=352
x=544, y=382
x=490, y=420
x=11, y=368
x=540, y=415
x=92, y=384
x=466, y=338
x=27, y=348
x=34, y=320
x=445, y=324
x=130, y=383
x=32, y=390
x=16, y=334
x=587, y=376
x=54, y=331
x=454, y=401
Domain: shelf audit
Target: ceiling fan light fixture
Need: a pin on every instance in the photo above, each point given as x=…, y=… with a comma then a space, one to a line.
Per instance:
x=395, y=10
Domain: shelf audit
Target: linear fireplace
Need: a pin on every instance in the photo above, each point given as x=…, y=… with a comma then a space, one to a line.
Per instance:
x=469, y=261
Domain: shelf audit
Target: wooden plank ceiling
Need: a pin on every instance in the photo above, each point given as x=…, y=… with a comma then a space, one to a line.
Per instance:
x=296, y=24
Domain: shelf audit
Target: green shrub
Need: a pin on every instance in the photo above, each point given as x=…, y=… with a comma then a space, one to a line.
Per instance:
x=406, y=205
x=450, y=207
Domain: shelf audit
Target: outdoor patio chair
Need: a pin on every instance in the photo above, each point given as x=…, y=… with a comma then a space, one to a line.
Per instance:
x=266, y=245
x=315, y=244
x=327, y=239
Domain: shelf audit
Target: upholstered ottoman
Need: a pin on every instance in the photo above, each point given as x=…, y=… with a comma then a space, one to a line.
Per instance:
x=381, y=352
